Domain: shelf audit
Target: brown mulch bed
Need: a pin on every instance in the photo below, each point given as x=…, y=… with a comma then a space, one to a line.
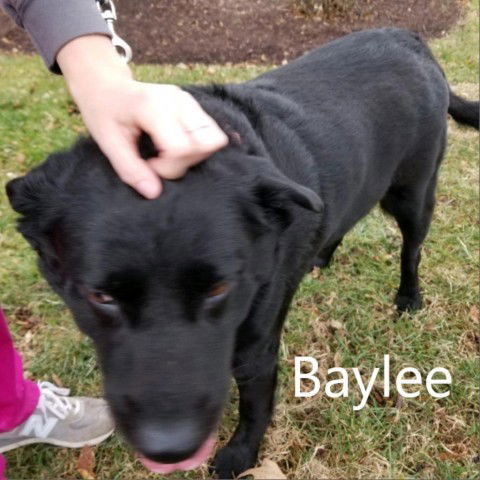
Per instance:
x=220, y=31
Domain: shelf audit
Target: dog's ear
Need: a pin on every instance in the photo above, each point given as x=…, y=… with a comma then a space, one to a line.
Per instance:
x=37, y=197
x=277, y=196
x=26, y=194
x=38, y=190
x=283, y=191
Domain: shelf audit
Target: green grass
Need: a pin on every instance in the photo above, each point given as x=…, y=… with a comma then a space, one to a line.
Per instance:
x=458, y=51
x=315, y=438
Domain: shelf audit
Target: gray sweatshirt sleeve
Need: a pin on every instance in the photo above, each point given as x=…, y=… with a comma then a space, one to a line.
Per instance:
x=53, y=23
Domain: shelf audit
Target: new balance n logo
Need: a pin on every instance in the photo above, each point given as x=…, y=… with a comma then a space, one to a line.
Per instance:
x=38, y=426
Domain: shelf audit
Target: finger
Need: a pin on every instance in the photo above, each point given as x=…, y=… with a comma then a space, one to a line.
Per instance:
x=169, y=169
x=130, y=167
x=203, y=130
x=177, y=150
x=167, y=133
x=198, y=137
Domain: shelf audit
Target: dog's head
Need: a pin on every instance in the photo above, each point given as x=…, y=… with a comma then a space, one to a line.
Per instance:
x=161, y=286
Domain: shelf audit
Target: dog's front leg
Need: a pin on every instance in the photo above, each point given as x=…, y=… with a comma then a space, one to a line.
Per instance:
x=256, y=384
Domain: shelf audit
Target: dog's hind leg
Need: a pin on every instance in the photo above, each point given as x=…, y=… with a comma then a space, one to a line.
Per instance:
x=412, y=207
x=413, y=216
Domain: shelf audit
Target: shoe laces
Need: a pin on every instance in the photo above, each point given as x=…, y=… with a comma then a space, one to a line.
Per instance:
x=55, y=400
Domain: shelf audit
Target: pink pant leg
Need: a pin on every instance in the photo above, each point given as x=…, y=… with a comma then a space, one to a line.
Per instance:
x=18, y=396
x=2, y=468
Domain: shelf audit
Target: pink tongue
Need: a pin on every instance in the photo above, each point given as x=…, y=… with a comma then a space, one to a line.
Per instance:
x=193, y=462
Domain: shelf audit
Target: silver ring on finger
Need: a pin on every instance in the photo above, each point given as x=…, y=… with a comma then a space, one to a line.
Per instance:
x=200, y=127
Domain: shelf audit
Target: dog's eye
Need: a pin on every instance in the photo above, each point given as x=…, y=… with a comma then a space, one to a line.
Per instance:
x=215, y=296
x=100, y=298
x=218, y=291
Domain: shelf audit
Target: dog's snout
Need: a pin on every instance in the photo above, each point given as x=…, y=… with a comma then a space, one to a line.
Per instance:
x=169, y=442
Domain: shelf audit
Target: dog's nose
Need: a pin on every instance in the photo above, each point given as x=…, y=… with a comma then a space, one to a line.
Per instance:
x=169, y=442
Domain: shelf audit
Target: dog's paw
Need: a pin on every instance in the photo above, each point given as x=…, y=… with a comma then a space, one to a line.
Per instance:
x=408, y=303
x=231, y=461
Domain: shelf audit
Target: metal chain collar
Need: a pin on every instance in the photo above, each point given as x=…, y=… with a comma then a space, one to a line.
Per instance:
x=109, y=14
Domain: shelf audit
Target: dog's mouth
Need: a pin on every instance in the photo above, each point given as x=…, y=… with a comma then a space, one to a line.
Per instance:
x=200, y=456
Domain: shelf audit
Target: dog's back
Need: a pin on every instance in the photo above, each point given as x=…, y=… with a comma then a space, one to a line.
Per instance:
x=347, y=118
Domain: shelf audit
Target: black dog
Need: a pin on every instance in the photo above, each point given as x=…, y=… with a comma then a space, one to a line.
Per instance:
x=181, y=292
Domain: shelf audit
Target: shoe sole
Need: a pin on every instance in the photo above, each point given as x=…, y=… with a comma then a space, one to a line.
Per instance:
x=57, y=443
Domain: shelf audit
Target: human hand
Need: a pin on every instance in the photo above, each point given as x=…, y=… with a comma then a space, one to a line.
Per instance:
x=116, y=109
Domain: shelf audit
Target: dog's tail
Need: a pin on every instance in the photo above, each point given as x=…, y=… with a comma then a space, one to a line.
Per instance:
x=464, y=111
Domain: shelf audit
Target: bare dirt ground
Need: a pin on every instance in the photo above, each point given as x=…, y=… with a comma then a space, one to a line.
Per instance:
x=257, y=31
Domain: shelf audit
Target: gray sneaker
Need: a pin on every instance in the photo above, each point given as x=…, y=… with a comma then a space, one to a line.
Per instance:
x=71, y=422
